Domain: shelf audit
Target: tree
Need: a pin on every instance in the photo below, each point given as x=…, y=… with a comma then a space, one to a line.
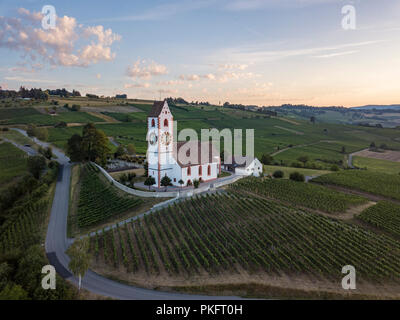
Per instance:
x=297, y=176
x=36, y=165
x=41, y=134
x=94, y=144
x=131, y=149
x=150, y=181
x=343, y=149
x=278, y=174
x=266, y=159
x=13, y=292
x=196, y=183
x=165, y=182
x=335, y=167
x=48, y=153
x=312, y=119
x=181, y=182
x=80, y=258
x=75, y=107
x=31, y=130
x=119, y=152
x=74, y=148
x=303, y=159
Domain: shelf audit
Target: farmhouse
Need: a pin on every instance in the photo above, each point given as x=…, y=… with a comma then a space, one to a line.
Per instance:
x=250, y=167
x=180, y=161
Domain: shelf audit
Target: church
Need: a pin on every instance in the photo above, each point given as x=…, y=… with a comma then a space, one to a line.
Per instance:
x=164, y=153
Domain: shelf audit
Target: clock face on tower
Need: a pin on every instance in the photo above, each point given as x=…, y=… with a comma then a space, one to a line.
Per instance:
x=166, y=138
x=153, y=138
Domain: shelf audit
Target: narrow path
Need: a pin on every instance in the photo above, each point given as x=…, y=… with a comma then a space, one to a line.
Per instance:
x=295, y=147
x=350, y=158
x=28, y=150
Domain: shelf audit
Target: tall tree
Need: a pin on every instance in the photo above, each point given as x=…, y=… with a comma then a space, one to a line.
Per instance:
x=131, y=149
x=94, y=144
x=36, y=165
x=80, y=258
x=165, y=182
x=74, y=148
x=150, y=181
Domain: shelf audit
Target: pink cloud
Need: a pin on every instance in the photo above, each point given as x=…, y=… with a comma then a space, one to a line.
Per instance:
x=145, y=69
x=57, y=46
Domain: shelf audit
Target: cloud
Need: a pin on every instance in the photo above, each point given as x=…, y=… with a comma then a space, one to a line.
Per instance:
x=236, y=76
x=144, y=69
x=137, y=85
x=23, y=79
x=233, y=66
x=222, y=77
x=262, y=53
x=58, y=46
x=336, y=54
x=170, y=82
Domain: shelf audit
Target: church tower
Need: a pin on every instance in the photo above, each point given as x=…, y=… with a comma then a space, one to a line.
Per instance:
x=160, y=141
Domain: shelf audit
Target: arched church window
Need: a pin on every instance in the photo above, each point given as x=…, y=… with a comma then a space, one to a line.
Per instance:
x=165, y=123
x=153, y=123
x=200, y=170
x=189, y=171
x=209, y=170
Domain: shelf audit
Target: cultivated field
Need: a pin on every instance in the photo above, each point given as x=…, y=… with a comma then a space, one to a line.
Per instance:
x=220, y=236
x=12, y=162
x=298, y=193
x=389, y=155
x=377, y=165
x=384, y=215
x=383, y=184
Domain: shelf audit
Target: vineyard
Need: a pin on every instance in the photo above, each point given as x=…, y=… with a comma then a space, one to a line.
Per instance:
x=385, y=215
x=214, y=234
x=26, y=218
x=12, y=162
x=98, y=201
x=387, y=185
x=304, y=194
x=24, y=229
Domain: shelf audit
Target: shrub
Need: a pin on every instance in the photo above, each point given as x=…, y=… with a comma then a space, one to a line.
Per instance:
x=297, y=176
x=335, y=167
x=196, y=183
x=278, y=174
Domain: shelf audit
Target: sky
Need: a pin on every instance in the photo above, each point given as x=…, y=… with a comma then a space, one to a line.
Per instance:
x=258, y=52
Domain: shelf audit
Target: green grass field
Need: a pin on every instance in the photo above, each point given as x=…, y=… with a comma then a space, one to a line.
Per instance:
x=12, y=162
x=377, y=165
x=387, y=185
x=16, y=137
x=32, y=116
x=324, y=141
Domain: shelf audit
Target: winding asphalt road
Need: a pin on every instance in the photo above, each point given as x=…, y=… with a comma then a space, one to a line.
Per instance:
x=57, y=243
